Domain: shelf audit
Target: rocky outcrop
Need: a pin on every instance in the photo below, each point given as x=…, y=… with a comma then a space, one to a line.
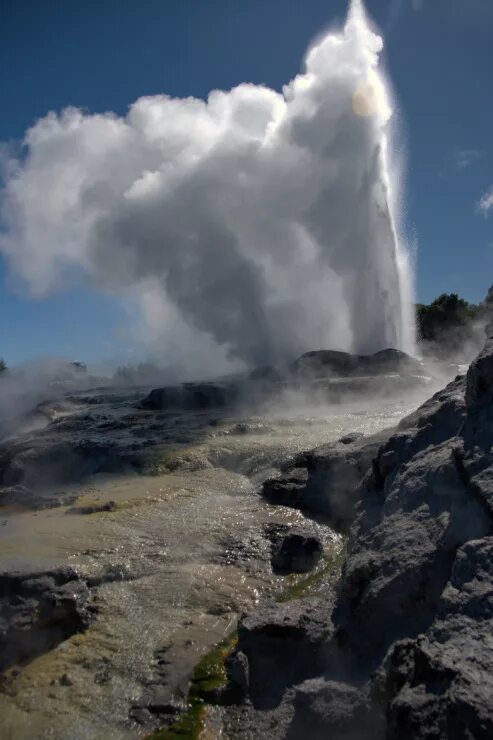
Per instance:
x=40, y=610
x=325, y=480
x=329, y=363
x=312, y=371
x=347, y=710
x=408, y=645
x=192, y=396
x=278, y=646
x=297, y=552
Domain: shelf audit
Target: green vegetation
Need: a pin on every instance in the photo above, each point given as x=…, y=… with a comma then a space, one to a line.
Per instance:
x=446, y=314
x=3, y=365
x=328, y=565
x=209, y=675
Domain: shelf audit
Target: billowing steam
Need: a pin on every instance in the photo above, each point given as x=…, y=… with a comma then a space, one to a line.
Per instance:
x=254, y=225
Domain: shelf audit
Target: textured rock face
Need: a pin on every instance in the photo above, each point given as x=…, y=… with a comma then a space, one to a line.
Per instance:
x=282, y=644
x=297, y=553
x=362, y=374
x=441, y=684
x=320, y=704
x=325, y=480
x=192, y=396
x=323, y=363
x=409, y=644
x=39, y=610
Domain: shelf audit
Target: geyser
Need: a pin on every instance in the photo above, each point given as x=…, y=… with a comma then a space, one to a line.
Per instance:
x=255, y=225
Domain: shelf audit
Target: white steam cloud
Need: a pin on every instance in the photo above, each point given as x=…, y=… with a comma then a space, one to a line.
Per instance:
x=485, y=203
x=252, y=226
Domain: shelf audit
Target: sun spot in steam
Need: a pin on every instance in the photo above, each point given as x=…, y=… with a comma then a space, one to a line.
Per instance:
x=370, y=98
x=364, y=101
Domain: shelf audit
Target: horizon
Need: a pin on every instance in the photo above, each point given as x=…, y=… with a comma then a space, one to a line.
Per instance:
x=447, y=146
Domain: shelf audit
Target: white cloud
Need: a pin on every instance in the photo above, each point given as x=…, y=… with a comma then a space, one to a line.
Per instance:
x=466, y=157
x=253, y=225
x=485, y=203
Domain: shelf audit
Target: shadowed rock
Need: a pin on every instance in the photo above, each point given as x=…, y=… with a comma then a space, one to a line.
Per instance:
x=296, y=553
x=325, y=480
x=40, y=610
x=408, y=647
x=282, y=645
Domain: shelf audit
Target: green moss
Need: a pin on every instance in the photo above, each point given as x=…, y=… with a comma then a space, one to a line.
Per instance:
x=302, y=586
x=208, y=676
x=171, y=460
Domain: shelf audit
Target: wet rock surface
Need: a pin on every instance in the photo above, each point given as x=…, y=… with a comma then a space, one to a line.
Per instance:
x=282, y=644
x=323, y=363
x=404, y=648
x=298, y=552
x=307, y=373
x=325, y=480
x=158, y=553
x=40, y=610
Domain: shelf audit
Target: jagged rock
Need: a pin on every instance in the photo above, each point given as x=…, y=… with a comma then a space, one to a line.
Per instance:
x=236, y=666
x=418, y=578
x=410, y=634
x=191, y=396
x=283, y=645
x=40, y=462
x=359, y=371
x=329, y=363
x=326, y=479
x=39, y=610
x=298, y=552
x=288, y=489
x=345, y=709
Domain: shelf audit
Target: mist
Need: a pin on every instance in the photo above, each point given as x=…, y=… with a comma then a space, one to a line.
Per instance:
x=246, y=228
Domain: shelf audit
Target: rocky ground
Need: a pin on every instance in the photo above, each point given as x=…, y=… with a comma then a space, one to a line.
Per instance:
x=399, y=645
x=403, y=646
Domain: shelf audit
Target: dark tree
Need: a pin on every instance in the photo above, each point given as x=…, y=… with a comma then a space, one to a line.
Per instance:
x=447, y=313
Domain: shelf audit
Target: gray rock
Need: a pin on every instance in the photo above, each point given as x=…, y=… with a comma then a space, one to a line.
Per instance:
x=417, y=583
x=320, y=704
x=191, y=396
x=40, y=610
x=326, y=479
x=409, y=647
x=297, y=552
x=440, y=684
x=288, y=489
x=283, y=645
x=329, y=363
x=237, y=670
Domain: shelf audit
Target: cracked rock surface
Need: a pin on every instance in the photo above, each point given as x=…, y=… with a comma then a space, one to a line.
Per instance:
x=406, y=646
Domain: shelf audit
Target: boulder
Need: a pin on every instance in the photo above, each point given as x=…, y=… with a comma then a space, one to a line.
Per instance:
x=281, y=645
x=298, y=552
x=191, y=396
x=330, y=363
x=320, y=704
x=408, y=648
x=325, y=480
x=40, y=610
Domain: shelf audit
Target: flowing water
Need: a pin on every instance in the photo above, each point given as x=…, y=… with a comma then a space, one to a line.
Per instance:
x=178, y=557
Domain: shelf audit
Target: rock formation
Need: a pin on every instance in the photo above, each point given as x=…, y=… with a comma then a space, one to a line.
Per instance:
x=407, y=650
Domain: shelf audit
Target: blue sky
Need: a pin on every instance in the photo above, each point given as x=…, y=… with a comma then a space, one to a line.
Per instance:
x=103, y=55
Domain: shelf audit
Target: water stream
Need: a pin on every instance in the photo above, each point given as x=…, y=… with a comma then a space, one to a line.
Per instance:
x=177, y=558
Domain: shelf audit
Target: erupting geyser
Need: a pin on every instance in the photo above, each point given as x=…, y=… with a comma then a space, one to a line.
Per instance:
x=254, y=225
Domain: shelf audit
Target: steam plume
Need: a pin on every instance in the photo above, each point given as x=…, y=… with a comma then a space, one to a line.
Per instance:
x=254, y=225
